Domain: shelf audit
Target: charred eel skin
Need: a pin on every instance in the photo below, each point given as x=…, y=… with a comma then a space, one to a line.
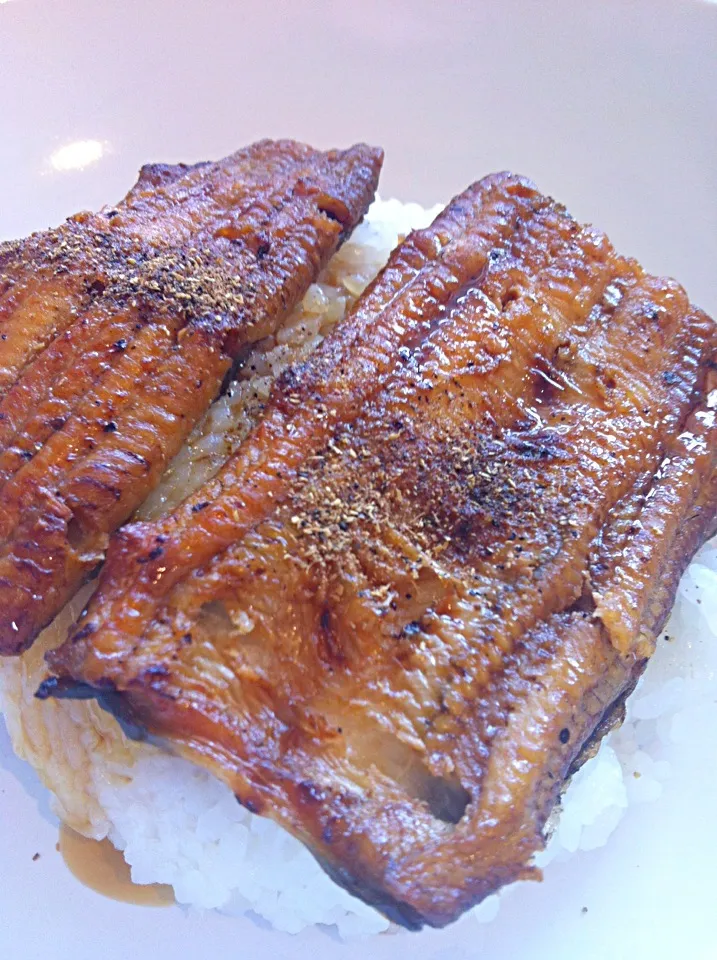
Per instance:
x=418, y=592
x=118, y=329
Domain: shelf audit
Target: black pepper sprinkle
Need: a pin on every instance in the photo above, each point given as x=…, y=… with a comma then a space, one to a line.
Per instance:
x=83, y=632
x=153, y=554
x=564, y=735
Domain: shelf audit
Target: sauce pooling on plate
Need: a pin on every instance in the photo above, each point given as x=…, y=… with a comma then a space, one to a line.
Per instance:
x=102, y=868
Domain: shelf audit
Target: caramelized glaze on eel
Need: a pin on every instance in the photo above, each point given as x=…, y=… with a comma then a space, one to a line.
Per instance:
x=118, y=329
x=418, y=590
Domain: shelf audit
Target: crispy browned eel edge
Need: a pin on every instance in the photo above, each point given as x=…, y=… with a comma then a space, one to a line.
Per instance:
x=118, y=329
x=421, y=586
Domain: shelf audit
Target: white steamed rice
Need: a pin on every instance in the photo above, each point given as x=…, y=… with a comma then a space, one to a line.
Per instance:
x=178, y=825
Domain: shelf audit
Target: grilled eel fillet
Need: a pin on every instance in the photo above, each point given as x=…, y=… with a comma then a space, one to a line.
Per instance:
x=397, y=615
x=118, y=329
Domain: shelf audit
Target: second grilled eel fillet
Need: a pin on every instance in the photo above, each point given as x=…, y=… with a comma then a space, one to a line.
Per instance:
x=406, y=604
x=118, y=329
